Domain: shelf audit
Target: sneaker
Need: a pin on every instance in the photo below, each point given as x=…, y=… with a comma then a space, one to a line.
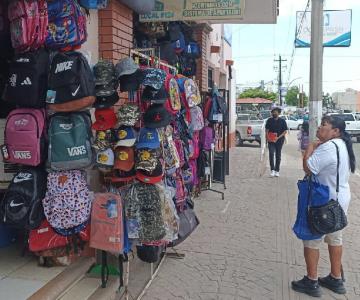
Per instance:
x=307, y=286
x=272, y=174
x=331, y=283
x=277, y=174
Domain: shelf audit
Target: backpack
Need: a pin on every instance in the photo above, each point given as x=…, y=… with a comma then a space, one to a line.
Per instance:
x=197, y=118
x=67, y=202
x=67, y=25
x=193, y=50
x=194, y=145
x=45, y=238
x=179, y=45
x=207, y=137
x=25, y=137
x=180, y=196
x=28, y=77
x=70, y=140
x=193, y=166
x=107, y=230
x=6, y=49
x=187, y=66
x=218, y=111
x=28, y=24
x=94, y=4
x=21, y=207
x=173, y=103
x=190, y=91
x=71, y=83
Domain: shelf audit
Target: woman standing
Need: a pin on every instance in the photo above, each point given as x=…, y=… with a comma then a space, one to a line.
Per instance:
x=320, y=159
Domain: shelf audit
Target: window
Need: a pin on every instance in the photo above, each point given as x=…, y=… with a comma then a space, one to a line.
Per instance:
x=345, y=117
x=210, y=79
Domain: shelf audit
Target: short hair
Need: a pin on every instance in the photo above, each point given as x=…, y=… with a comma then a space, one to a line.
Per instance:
x=276, y=108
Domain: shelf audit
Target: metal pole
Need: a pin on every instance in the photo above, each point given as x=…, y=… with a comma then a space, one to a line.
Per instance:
x=316, y=66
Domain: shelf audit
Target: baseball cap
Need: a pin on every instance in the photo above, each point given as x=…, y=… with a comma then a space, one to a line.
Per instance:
x=154, y=78
x=157, y=96
x=147, y=159
x=123, y=176
x=124, y=158
x=152, y=177
x=128, y=114
x=103, y=139
x=157, y=116
x=106, y=101
x=148, y=138
x=131, y=82
x=125, y=136
x=126, y=66
x=105, y=158
x=105, y=119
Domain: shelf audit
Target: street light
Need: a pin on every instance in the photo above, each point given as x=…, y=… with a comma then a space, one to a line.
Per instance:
x=292, y=82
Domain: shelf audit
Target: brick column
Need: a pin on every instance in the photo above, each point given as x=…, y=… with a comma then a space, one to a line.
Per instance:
x=201, y=32
x=115, y=31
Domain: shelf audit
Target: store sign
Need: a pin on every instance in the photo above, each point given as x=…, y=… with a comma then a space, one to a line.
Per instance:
x=195, y=10
x=337, y=28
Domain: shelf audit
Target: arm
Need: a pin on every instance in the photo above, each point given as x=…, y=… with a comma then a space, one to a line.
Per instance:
x=309, y=151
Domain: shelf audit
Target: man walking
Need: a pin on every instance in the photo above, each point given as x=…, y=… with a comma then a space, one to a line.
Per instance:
x=276, y=129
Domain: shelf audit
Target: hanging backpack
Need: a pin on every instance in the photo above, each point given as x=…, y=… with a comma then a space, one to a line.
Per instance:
x=107, y=231
x=28, y=24
x=6, y=49
x=190, y=91
x=193, y=166
x=173, y=103
x=70, y=140
x=67, y=203
x=193, y=50
x=71, y=83
x=67, y=25
x=21, y=207
x=207, y=137
x=197, y=118
x=94, y=4
x=194, y=145
x=187, y=66
x=28, y=77
x=25, y=137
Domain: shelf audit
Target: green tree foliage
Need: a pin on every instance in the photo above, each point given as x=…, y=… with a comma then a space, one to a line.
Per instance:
x=258, y=93
x=292, y=97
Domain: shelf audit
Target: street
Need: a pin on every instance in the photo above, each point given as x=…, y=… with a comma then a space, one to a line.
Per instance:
x=244, y=247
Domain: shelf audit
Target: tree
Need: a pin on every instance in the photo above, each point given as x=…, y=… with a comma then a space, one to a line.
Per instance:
x=258, y=93
x=293, y=96
x=327, y=101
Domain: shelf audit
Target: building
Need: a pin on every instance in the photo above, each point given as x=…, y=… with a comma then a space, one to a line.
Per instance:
x=347, y=100
x=252, y=104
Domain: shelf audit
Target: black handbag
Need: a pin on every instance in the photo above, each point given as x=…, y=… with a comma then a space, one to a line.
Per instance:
x=330, y=217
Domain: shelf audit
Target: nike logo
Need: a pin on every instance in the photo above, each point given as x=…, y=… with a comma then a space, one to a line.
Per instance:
x=22, y=177
x=12, y=204
x=76, y=91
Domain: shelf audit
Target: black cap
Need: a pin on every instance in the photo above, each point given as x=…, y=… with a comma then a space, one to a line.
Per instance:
x=106, y=101
x=157, y=116
x=131, y=82
x=157, y=96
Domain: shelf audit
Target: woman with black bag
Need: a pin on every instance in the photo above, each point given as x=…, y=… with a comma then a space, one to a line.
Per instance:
x=330, y=159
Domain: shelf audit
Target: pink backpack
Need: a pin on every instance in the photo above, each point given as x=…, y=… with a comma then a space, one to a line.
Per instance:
x=197, y=118
x=28, y=24
x=180, y=195
x=194, y=145
x=107, y=231
x=25, y=137
x=193, y=166
x=207, y=137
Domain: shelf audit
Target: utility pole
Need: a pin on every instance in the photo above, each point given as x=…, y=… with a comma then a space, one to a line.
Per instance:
x=316, y=66
x=280, y=60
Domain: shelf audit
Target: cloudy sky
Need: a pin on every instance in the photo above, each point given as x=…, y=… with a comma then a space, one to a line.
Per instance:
x=256, y=46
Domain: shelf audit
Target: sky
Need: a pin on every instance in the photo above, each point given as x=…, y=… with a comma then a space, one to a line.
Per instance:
x=256, y=46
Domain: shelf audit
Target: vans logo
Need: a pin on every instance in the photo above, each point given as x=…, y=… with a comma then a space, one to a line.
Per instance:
x=22, y=154
x=64, y=66
x=21, y=122
x=76, y=151
x=20, y=177
x=66, y=126
x=12, y=80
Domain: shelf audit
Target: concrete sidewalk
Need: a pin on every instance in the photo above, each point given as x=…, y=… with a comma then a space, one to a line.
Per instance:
x=244, y=247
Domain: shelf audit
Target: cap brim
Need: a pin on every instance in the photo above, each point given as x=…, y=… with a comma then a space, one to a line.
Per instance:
x=147, y=145
x=166, y=121
x=103, y=126
x=126, y=143
x=148, y=179
x=127, y=72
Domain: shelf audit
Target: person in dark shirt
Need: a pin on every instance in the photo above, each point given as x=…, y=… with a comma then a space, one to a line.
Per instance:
x=276, y=129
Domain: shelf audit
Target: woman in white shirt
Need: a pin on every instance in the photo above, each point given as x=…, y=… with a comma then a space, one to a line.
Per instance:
x=320, y=159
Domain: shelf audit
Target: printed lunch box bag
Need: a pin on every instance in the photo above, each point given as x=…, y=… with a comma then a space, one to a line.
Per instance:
x=70, y=139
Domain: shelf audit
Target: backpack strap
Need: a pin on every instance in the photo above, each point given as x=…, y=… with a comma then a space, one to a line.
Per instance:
x=337, y=171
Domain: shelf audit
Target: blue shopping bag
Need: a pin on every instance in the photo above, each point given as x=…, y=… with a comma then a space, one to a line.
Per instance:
x=310, y=192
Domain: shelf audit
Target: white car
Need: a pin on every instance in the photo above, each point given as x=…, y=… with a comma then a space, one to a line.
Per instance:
x=292, y=122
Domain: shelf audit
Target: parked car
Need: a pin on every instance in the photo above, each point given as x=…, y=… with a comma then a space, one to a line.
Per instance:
x=352, y=124
x=248, y=128
x=292, y=122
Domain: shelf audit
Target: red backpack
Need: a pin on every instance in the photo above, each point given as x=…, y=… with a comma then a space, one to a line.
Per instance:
x=28, y=24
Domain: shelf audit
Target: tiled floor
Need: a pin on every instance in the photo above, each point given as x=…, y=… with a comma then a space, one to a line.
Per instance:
x=21, y=276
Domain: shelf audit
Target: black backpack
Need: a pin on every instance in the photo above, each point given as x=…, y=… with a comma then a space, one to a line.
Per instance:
x=27, y=80
x=70, y=78
x=21, y=206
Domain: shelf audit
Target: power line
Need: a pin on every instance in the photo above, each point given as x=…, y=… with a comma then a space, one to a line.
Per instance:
x=296, y=36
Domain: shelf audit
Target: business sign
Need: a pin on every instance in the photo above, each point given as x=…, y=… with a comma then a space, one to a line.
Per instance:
x=195, y=10
x=337, y=28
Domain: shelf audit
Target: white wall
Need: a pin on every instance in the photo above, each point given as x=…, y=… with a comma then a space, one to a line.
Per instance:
x=91, y=46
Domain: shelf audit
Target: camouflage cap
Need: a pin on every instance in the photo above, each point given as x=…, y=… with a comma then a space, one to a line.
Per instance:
x=128, y=115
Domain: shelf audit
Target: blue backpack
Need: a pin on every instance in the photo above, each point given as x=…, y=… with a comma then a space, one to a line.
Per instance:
x=94, y=4
x=179, y=45
x=193, y=50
